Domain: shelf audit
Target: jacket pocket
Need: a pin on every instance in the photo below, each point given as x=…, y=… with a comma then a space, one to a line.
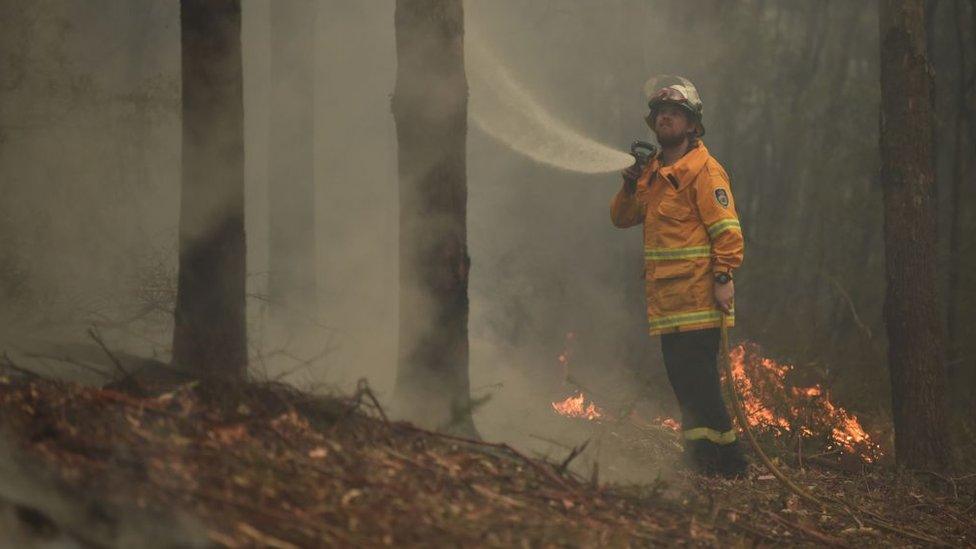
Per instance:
x=674, y=209
x=672, y=286
x=667, y=270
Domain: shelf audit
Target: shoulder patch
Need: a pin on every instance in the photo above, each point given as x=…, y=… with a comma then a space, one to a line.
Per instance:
x=722, y=197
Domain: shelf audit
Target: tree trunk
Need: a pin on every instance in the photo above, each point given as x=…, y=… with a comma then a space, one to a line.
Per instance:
x=292, y=272
x=209, y=335
x=912, y=316
x=430, y=104
x=961, y=155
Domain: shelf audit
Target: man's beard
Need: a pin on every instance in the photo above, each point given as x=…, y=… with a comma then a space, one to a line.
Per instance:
x=669, y=140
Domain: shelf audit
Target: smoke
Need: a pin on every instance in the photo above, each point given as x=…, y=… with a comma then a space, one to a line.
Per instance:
x=502, y=107
x=90, y=163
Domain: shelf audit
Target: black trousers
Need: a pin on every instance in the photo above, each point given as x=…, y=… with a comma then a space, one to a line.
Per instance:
x=692, y=365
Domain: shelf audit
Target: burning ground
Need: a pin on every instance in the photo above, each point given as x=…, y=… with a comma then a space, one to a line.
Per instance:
x=280, y=468
x=782, y=412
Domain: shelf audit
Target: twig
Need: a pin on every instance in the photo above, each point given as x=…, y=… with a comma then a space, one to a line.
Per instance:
x=750, y=529
x=302, y=363
x=810, y=532
x=551, y=441
x=824, y=454
x=547, y=471
x=907, y=533
x=576, y=451
x=850, y=304
x=69, y=360
x=147, y=405
x=363, y=388
x=93, y=333
x=9, y=363
x=948, y=480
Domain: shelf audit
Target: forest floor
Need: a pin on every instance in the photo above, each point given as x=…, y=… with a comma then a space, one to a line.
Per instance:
x=282, y=469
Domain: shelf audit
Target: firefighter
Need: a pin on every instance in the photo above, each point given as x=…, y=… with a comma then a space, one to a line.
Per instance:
x=692, y=245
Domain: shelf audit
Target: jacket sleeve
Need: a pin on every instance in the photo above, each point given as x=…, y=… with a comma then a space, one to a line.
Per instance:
x=626, y=209
x=717, y=209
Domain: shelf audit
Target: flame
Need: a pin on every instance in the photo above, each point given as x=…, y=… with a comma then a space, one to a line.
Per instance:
x=771, y=406
x=668, y=423
x=574, y=407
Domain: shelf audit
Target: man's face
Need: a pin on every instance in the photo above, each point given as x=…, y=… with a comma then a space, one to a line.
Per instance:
x=672, y=125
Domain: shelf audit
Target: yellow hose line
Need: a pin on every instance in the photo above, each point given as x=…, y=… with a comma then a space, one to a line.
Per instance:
x=740, y=415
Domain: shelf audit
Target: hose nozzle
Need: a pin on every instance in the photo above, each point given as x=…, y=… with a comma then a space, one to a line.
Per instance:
x=643, y=152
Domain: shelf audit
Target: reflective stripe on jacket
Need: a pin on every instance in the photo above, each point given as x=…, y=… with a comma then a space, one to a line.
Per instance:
x=691, y=231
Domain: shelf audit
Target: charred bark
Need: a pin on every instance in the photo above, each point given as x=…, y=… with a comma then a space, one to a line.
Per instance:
x=914, y=323
x=430, y=108
x=292, y=272
x=209, y=335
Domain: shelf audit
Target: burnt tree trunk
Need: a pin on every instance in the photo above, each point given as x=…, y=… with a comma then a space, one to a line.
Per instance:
x=209, y=335
x=292, y=272
x=430, y=104
x=912, y=317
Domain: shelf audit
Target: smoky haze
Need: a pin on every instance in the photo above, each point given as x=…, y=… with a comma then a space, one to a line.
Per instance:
x=90, y=167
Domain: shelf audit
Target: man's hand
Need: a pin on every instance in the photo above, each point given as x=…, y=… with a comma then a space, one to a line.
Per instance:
x=724, y=294
x=630, y=176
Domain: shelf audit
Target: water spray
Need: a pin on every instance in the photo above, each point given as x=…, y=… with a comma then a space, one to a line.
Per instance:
x=502, y=107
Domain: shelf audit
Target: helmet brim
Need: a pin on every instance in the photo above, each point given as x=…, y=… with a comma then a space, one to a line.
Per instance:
x=654, y=106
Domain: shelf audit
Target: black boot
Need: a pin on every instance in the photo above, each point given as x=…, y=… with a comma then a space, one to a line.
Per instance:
x=731, y=461
x=716, y=460
x=702, y=457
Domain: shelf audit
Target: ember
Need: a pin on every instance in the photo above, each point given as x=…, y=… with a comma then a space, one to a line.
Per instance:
x=668, y=423
x=566, y=354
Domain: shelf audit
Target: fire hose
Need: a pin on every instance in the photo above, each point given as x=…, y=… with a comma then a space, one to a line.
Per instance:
x=740, y=415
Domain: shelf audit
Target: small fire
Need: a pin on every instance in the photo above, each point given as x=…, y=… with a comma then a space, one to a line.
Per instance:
x=773, y=407
x=576, y=406
x=668, y=423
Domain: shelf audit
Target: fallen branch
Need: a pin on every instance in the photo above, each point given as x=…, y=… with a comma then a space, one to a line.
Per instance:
x=93, y=333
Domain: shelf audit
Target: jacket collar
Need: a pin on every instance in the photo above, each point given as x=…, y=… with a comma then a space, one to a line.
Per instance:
x=686, y=169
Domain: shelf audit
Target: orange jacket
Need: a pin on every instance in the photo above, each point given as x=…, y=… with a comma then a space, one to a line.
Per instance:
x=691, y=231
